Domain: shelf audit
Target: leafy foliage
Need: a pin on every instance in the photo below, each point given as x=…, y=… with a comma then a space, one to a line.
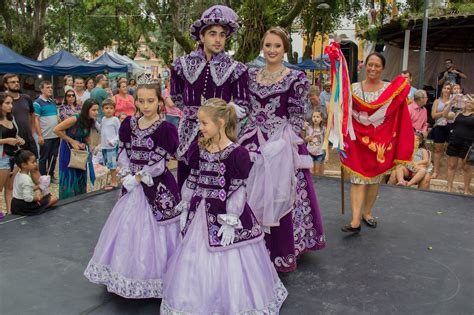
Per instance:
x=28, y=25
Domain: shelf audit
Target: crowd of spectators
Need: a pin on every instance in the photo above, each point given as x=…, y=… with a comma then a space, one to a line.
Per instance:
x=86, y=116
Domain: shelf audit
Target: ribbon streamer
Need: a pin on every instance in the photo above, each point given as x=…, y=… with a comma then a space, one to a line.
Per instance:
x=339, y=121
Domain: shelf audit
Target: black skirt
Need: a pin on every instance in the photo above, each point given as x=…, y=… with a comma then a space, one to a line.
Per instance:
x=21, y=207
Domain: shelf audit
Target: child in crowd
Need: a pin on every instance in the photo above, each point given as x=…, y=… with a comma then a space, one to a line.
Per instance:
x=222, y=265
x=109, y=139
x=142, y=231
x=27, y=197
x=68, y=83
x=314, y=137
x=122, y=117
x=418, y=169
x=457, y=99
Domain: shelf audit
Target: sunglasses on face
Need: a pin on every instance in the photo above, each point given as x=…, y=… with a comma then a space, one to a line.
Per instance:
x=70, y=95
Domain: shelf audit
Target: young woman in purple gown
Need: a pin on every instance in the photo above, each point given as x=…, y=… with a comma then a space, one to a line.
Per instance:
x=142, y=231
x=286, y=206
x=222, y=265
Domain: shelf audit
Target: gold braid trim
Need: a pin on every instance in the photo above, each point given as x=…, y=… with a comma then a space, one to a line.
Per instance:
x=376, y=177
x=395, y=94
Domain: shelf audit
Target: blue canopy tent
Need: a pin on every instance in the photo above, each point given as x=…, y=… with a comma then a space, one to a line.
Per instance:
x=259, y=62
x=64, y=62
x=314, y=65
x=112, y=64
x=12, y=62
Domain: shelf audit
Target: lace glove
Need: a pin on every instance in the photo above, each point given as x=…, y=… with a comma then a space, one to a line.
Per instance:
x=129, y=182
x=146, y=178
x=183, y=207
x=240, y=111
x=228, y=235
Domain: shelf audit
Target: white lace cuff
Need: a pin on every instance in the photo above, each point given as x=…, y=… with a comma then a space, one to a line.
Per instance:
x=146, y=178
x=183, y=206
x=230, y=219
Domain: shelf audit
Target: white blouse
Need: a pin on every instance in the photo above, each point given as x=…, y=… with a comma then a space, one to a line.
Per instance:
x=23, y=187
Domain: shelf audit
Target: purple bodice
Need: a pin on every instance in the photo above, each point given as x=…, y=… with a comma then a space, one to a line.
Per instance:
x=151, y=148
x=272, y=106
x=194, y=79
x=215, y=177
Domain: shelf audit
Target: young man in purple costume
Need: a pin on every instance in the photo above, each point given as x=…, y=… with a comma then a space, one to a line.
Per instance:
x=207, y=72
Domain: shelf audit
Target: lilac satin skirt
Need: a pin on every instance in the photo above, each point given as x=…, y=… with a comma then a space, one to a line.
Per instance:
x=133, y=249
x=237, y=280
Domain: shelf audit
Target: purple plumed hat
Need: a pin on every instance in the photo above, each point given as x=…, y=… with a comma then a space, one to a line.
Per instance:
x=216, y=15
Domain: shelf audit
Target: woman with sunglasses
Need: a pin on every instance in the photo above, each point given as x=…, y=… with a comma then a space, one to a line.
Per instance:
x=69, y=106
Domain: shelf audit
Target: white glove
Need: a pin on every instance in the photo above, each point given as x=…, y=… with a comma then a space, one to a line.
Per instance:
x=183, y=207
x=183, y=218
x=129, y=182
x=240, y=111
x=146, y=178
x=228, y=235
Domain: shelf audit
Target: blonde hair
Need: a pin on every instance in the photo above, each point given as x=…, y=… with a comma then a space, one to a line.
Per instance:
x=280, y=32
x=216, y=109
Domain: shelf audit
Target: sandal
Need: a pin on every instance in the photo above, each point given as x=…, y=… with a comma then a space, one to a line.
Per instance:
x=370, y=222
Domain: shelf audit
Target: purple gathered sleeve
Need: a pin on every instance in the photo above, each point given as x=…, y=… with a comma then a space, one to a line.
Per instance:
x=190, y=185
x=123, y=160
x=123, y=163
x=168, y=138
x=156, y=169
x=187, y=191
x=237, y=196
x=298, y=102
x=235, y=204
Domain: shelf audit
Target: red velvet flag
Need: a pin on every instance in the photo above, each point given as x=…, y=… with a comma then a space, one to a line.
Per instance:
x=384, y=133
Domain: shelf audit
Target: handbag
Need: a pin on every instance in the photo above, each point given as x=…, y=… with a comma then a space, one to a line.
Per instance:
x=78, y=158
x=469, y=158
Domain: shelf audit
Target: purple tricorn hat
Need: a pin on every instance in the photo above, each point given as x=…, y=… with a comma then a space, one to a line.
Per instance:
x=216, y=15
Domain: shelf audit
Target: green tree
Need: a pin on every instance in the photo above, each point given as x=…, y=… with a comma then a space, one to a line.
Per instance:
x=97, y=24
x=23, y=25
x=314, y=20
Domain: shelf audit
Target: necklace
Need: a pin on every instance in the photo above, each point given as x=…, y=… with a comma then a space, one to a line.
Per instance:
x=145, y=123
x=268, y=77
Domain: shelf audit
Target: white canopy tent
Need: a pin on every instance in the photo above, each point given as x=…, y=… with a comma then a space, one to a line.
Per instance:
x=137, y=69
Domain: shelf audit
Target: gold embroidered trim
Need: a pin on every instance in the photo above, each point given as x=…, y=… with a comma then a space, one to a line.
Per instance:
x=375, y=106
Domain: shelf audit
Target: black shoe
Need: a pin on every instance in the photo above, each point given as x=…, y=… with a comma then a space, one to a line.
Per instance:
x=370, y=222
x=348, y=228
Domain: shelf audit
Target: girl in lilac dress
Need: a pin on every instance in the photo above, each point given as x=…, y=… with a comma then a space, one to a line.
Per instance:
x=142, y=231
x=286, y=206
x=222, y=265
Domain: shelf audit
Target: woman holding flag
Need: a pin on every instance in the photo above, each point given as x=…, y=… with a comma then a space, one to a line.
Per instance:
x=371, y=127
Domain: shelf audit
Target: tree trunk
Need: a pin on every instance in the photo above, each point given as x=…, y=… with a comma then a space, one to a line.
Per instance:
x=309, y=44
x=179, y=35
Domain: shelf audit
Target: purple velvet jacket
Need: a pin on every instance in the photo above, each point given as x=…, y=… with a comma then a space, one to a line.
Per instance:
x=194, y=79
x=272, y=106
x=148, y=150
x=219, y=180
